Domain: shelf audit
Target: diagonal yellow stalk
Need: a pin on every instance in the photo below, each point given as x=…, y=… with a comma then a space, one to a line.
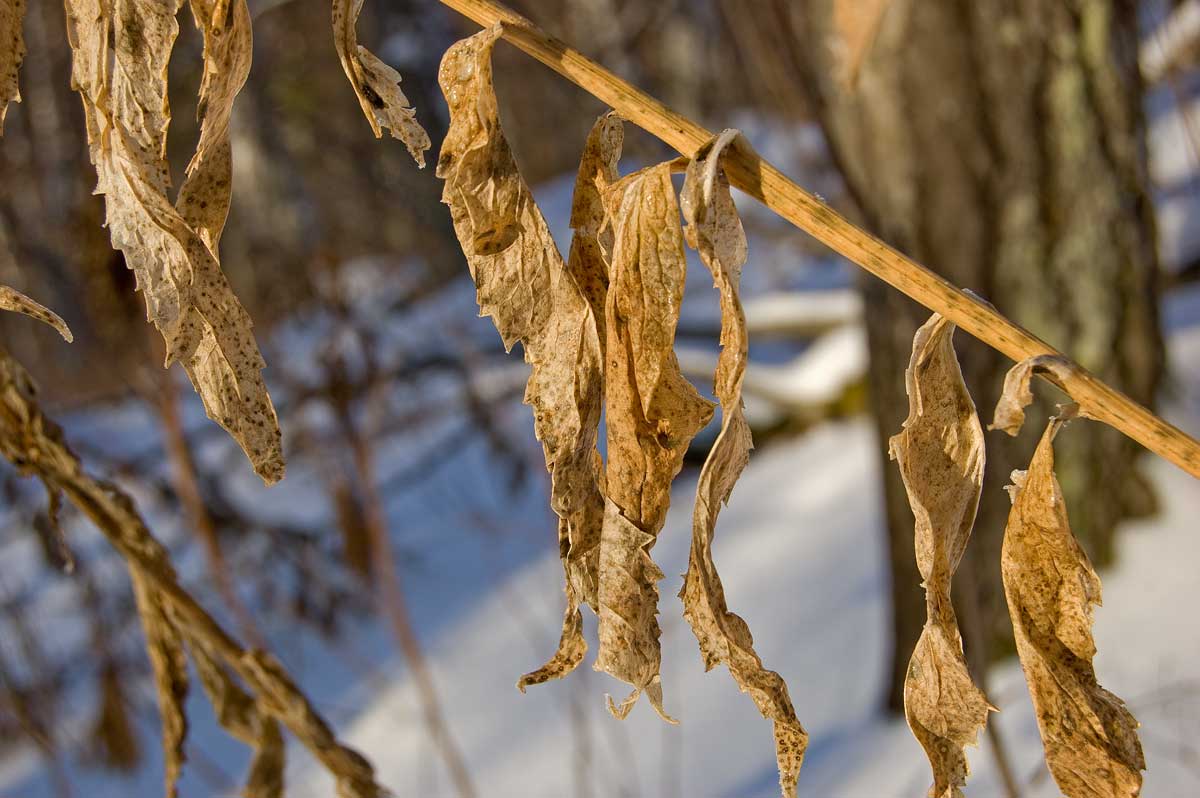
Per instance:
x=762, y=181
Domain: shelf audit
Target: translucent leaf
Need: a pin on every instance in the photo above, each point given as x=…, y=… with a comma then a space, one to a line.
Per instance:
x=715, y=231
x=376, y=84
x=940, y=452
x=1089, y=736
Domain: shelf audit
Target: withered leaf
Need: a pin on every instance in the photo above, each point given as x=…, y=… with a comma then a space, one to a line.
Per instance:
x=577, y=470
x=652, y=414
x=855, y=24
x=11, y=299
x=715, y=231
x=171, y=250
x=12, y=53
x=239, y=714
x=376, y=84
x=940, y=452
x=1089, y=736
x=169, y=663
x=536, y=299
x=1017, y=394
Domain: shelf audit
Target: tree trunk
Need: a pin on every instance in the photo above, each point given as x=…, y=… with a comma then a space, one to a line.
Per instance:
x=1002, y=145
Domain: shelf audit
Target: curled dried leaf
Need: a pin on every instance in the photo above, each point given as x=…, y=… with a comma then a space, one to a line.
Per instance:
x=1017, y=394
x=536, y=299
x=1089, y=736
x=715, y=231
x=12, y=53
x=574, y=371
x=169, y=663
x=240, y=715
x=940, y=452
x=653, y=413
x=172, y=250
x=17, y=302
x=376, y=84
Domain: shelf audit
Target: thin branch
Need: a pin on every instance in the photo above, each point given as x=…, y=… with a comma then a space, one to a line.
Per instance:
x=768, y=185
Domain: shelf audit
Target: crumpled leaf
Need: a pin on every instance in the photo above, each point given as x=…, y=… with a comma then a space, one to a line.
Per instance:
x=172, y=251
x=11, y=299
x=1017, y=394
x=535, y=298
x=652, y=414
x=169, y=663
x=1089, y=736
x=577, y=472
x=715, y=231
x=940, y=452
x=239, y=714
x=376, y=84
x=12, y=53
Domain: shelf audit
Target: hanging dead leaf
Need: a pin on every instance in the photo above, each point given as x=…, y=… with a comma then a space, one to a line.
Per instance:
x=940, y=452
x=534, y=298
x=715, y=231
x=652, y=414
x=376, y=84
x=855, y=25
x=169, y=663
x=586, y=279
x=19, y=303
x=12, y=53
x=1017, y=394
x=172, y=251
x=1089, y=735
x=240, y=715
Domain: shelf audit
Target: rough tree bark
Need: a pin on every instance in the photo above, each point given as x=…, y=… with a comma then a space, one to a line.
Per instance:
x=1001, y=144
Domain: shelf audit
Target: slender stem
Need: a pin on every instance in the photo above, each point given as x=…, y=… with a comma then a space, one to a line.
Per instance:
x=768, y=185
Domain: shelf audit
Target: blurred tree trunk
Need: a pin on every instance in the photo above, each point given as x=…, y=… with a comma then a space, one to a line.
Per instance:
x=1002, y=145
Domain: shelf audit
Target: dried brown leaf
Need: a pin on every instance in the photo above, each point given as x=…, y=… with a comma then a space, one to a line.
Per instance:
x=12, y=53
x=940, y=452
x=652, y=415
x=855, y=25
x=35, y=445
x=169, y=663
x=576, y=470
x=1017, y=394
x=1089, y=736
x=172, y=251
x=538, y=300
x=17, y=302
x=376, y=84
x=715, y=231
x=239, y=714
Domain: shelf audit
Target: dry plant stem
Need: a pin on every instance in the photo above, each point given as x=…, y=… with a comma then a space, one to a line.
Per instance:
x=753, y=175
x=394, y=606
x=186, y=484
